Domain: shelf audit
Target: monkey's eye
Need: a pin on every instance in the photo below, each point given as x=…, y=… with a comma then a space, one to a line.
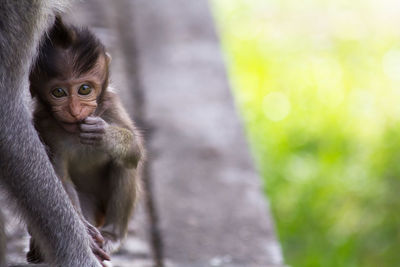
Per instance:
x=58, y=92
x=84, y=89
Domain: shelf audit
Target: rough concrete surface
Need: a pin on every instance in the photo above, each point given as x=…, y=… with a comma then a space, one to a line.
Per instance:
x=204, y=205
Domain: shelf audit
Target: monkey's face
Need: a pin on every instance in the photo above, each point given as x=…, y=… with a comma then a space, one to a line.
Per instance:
x=72, y=99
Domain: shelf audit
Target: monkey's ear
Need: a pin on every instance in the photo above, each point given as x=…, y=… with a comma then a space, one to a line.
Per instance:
x=108, y=58
x=61, y=34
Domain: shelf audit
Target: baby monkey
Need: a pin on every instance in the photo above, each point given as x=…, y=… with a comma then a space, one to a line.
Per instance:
x=93, y=145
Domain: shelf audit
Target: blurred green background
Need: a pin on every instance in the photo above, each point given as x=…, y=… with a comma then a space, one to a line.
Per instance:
x=318, y=85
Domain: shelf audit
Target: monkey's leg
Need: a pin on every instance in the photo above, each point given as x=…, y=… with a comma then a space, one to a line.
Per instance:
x=2, y=242
x=34, y=255
x=121, y=199
x=73, y=195
x=25, y=169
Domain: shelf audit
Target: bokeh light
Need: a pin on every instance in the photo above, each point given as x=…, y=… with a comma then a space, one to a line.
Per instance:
x=318, y=85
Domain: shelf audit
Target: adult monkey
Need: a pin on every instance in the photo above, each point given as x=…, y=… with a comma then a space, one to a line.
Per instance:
x=25, y=171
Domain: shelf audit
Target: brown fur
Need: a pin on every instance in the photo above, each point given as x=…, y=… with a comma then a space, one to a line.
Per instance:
x=92, y=143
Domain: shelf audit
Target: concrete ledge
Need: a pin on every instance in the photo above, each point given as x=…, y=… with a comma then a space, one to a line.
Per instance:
x=205, y=206
x=208, y=195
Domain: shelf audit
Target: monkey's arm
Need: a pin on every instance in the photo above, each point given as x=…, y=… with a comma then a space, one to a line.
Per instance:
x=92, y=230
x=123, y=145
x=60, y=166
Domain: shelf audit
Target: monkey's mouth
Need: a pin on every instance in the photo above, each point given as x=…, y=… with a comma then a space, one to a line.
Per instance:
x=70, y=127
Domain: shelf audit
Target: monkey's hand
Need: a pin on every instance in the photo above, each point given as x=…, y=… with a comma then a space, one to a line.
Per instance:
x=118, y=142
x=97, y=242
x=92, y=131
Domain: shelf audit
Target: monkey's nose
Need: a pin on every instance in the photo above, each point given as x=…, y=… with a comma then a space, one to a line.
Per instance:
x=75, y=109
x=74, y=112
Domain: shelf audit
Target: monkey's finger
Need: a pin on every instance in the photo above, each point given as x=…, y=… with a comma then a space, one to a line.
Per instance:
x=91, y=136
x=98, y=238
x=101, y=254
x=93, y=128
x=92, y=120
x=95, y=234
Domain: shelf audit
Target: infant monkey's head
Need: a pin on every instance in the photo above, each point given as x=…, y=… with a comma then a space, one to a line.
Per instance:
x=71, y=73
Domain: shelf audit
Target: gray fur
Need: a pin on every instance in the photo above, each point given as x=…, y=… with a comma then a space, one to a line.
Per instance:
x=2, y=244
x=25, y=170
